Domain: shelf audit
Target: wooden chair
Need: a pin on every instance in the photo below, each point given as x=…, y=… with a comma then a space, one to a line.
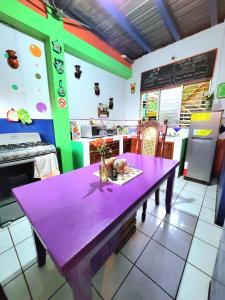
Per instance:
x=148, y=136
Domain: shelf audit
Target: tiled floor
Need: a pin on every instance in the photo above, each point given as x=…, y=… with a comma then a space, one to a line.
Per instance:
x=169, y=256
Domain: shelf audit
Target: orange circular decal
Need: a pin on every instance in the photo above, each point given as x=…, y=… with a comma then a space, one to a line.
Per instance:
x=35, y=50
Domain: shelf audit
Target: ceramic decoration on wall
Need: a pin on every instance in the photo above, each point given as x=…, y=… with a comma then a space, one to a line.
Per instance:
x=12, y=59
x=25, y=81
x=58, y=64
x=110, y=103
x=103, y=110
x=35, y=50
x=56, y=47
x=24, y=116
x=61, y=90
x=78, y=72
x=12, y=115
x=96, y=88
x=132, y=87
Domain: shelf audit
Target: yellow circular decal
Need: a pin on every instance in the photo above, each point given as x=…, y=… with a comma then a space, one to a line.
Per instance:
x=35, y=50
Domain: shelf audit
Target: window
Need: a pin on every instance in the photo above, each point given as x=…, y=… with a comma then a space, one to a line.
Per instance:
x=169, y=106
x=175, y=104
x=149, y=105
x=194, y=98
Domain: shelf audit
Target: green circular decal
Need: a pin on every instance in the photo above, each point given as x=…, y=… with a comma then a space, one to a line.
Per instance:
x=14, y=87
x=6, y=55
x=38, y=76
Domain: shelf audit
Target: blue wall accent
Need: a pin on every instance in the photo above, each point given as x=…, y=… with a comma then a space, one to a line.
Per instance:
x=43, y=126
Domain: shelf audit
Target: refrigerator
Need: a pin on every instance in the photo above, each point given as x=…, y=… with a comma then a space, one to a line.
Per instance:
x=203, y=134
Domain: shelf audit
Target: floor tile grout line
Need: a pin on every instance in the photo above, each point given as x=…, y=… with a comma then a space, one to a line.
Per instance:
x=186, y=261
x=133, y=264
x=23, y=272
x=57, y=290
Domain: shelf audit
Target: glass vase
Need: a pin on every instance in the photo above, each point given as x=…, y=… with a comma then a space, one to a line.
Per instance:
x=102, y=170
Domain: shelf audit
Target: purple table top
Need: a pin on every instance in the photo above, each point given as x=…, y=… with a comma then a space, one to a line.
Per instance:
x=72, y=210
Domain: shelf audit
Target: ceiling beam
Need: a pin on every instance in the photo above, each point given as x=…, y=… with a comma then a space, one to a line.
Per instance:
x=213, y=12
x=118, y=16
x=167, y=19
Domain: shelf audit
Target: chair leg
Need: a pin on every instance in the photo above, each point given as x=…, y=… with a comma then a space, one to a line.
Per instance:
x=2, y=294
x=144, y=211
x=157, y=197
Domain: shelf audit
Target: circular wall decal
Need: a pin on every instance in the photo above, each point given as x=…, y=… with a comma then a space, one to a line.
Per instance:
x=41, y=107
x=15, y=86
x=35, y=50
x=38, y=76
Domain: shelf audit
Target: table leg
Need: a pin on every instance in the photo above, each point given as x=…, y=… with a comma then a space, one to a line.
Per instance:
x=169, y=191
x=157, y=197
x=144, y=208
x=79, y=279
x=41, y=252
x=2, y=294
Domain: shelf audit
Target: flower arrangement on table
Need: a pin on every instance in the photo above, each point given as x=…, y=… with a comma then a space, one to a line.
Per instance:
x=102, y=149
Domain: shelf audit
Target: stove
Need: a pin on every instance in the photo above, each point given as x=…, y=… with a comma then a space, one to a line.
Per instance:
x=17, y=154
x=21, y=148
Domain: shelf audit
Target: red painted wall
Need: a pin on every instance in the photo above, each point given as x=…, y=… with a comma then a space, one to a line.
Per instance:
x=74, y=28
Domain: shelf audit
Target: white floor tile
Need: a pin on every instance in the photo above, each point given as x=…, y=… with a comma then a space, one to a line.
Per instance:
x=158, y=211
x=18, y=221
x=43, y=281
x=5, y=240
x=207, y=215
x=21, y=231
x=135, y=246
x=209, y=203
x=190, y=208
x=209, y=233
x=10, y=266
x=17, y=289
x=210, y=193
x=111, y=275
x=27, y=252
x=149, y=226
x=65, y=293
x=188, y=196
x=196, y=188
x=202, y=256
x=194, y=284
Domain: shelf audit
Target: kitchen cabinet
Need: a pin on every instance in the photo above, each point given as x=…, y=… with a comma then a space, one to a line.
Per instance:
x=95, y=156
x=126, y=145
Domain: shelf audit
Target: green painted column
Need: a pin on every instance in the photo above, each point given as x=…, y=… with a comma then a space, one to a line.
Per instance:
x=60, y=112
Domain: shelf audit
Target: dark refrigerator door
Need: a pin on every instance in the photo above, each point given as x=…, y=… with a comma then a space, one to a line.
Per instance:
x=200, y=158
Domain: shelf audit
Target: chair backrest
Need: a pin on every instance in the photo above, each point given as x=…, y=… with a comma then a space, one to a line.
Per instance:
x=148, y=135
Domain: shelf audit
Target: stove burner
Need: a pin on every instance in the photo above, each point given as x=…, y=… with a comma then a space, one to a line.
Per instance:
x=4, y=148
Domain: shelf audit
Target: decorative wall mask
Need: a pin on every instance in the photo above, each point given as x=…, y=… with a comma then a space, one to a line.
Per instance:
x=78, y=72
x=56, y=47
x=12, y=115
x=61, y=90
x=97, y=89
x=12, y=59
x=58, y=64
x=132, y=88
x=110, y=103
x=24, y=116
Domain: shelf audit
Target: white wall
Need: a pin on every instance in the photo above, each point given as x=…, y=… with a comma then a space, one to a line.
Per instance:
x=30, y=89
x=83, y=102
x=201, y=42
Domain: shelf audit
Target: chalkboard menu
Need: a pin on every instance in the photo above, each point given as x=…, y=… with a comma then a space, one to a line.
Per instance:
x=196, y=68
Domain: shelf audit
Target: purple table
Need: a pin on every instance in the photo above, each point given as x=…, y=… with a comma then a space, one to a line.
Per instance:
x=75, y=216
